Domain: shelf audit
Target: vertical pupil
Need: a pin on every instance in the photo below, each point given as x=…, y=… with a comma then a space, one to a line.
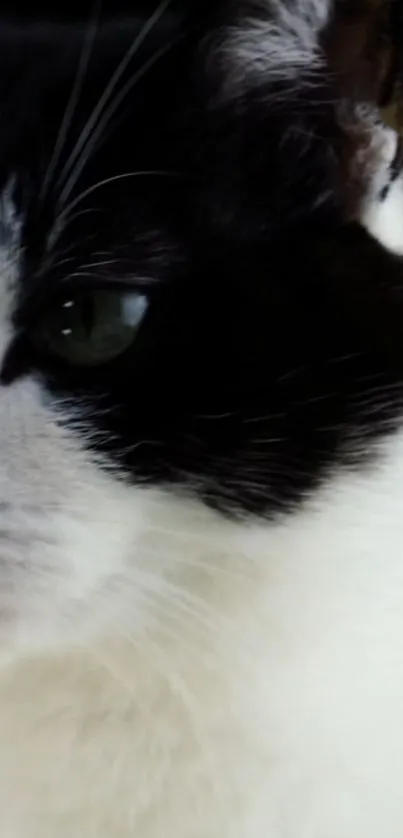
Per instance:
x=88, y=315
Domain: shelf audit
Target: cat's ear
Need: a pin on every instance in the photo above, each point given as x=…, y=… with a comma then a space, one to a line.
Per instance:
x=288, y=42
x=297, y=83
x=271, y=42
x=272, y=114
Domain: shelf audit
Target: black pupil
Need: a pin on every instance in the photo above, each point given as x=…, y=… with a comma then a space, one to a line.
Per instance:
x=88, y=315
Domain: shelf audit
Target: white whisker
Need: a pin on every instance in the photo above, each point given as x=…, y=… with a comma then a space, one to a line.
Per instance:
x=66, y=211
x=106, y=118
x=72, y=101
x=110, y=88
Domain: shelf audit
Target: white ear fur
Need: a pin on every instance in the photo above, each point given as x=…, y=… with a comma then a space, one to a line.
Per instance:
x=277, y=40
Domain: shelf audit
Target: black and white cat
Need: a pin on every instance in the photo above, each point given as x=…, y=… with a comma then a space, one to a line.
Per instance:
x=201, y=428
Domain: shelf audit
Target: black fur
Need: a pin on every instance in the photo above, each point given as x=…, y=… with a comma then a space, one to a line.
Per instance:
x=271, y=351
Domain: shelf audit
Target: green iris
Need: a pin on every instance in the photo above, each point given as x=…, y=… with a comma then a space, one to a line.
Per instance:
x=93, y=326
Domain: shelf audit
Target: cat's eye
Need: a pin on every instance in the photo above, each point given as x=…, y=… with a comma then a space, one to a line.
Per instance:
x=93, y=326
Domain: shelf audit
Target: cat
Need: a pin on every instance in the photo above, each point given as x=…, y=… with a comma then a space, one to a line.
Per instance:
x=201, y=449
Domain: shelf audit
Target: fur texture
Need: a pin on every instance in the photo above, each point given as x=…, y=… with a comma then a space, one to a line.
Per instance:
x=201, y=537
x=270, y=40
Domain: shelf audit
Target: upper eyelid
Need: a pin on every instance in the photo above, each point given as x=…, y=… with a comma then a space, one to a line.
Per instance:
x=74, y=281
x=33, y=303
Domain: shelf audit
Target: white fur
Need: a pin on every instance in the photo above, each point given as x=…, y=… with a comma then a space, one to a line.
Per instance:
x=279, y=43
x=168, y=672
x=260, y=695
x=383, y=218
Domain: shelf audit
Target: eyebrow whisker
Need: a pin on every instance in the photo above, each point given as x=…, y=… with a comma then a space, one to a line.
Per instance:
x=67, y=210
x=73, y=100
x=98, y=111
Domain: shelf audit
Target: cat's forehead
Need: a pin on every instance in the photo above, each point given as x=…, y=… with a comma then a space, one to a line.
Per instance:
x=100, y=178
x=75, y=81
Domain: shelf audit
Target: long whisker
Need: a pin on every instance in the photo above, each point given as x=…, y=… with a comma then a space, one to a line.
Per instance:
x=73, y=99
x=67, y=210
x=53, y=258
x=106, y=118
x=56, y=230
x=110, y=88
